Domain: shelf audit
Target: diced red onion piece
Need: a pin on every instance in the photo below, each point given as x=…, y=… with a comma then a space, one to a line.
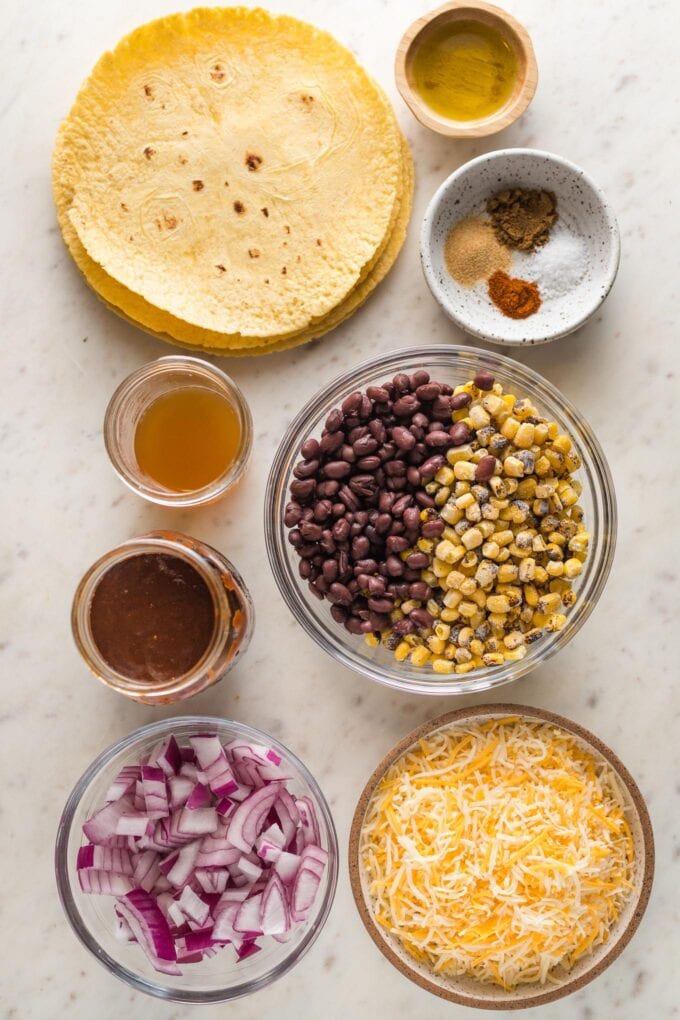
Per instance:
x=308, y=820
x=248, y=820
x=250, y=870
x=286, y=866
x=275, y=915
x=200, y=797
x=167, y=756
x=200, y=822
x=155, y=792
x=248, y=919
x=193, y=906
x=134, y=823
x=151, y=930
x=212, y=880
x=304, y=892
x=124, y=783
x=183, y=867
x=105, y=858
x=101, y=827
x=106, y=883
x=180, y=788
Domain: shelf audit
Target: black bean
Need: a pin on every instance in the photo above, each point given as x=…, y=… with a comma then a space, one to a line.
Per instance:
x=431, y=466
x=334, y=420
x=316, y=591
x=348, y=498
x=421, y=617
x=484, y=380
x=411, y=575
x=433, y=529
x=420, y=590
x=327, y=542
x=338, y=613
x=459, y=433
x=424, y=500
x=413, y=476
x=386, y=502
x=367, y=566
x=302, y=489
x=428, y=391
x=381, y=605
x=327, y=489
x=441, y=409
x=418, y=560
x=295, y=538
x=405, y=626
x=378, y=393
x=485, y=469
x=436, y=440
x=387, y=451
x=322, y=584
x=460, y=401
x=419, y=378
x=396, y=544
x=401, y=504
x=404, y=439
x=353, y=624
x=395, y=567
x=331, y=442
x=307, y=550
x=360, y=547
x=401, y=382
x=377, y=430
x=292, y=514
x=406, y=406
x=322, y=510
x=363, y=485
x=347, y=453
x=352, y=402
x=382, y=523
x=379, y=621
x=310, y=532
x=397, y=484
x=330, y=570
x=340, y=530
x=304, y=569
x=340, y=593
x=365, y=445
x=336, y=469
x=375, y=586
x=395, y=468
x=412, y=518
x=368, y=463
x=310, y=449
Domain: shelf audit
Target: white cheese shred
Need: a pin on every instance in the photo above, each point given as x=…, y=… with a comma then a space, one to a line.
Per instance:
x=499, y=851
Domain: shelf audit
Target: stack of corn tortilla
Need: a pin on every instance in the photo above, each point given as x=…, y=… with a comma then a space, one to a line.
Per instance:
x=232, y=181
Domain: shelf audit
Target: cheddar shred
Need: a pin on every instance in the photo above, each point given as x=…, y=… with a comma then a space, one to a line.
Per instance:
x=499, y=851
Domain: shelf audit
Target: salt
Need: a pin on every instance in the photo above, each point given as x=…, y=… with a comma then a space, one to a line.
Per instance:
x=557, y=267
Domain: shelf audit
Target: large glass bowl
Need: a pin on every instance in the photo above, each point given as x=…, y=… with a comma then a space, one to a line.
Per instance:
x=92, y=917
x=454, y=365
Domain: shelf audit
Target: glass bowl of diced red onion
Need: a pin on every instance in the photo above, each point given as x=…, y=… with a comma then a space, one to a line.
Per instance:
x=197, y=859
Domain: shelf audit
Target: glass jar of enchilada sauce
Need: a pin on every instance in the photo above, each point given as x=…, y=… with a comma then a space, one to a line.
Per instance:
x=161, y=617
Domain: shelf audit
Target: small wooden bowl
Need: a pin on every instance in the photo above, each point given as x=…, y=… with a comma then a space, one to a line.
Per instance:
x=511, y=30
x=464, y=990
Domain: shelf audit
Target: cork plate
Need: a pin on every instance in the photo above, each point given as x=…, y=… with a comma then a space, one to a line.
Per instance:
x=584, y=216
x=467, y=991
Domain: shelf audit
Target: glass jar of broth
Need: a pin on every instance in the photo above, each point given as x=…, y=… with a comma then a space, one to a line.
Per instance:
x=178, y=432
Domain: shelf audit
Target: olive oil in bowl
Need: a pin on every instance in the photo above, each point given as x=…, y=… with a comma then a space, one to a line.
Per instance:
x=464, y=70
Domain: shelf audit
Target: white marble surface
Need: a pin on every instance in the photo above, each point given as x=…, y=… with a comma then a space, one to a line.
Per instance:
x=608, y=75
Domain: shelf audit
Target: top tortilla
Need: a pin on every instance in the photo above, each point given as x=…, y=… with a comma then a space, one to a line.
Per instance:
x=238, y=170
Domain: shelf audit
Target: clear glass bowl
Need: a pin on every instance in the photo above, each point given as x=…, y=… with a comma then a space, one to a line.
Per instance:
x=455, y=365
x=138, y=391
x=92, y=917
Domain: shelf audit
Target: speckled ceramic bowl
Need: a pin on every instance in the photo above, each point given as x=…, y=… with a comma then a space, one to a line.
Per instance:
x=465, y=990
x=583, y=213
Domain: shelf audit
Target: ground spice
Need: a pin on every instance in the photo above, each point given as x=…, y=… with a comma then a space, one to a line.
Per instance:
x=517, y=299
x=472, y=252
x=522, y=219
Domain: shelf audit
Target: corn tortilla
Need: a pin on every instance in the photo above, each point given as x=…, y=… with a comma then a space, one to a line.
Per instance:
x=236, y=170
x=358, y=296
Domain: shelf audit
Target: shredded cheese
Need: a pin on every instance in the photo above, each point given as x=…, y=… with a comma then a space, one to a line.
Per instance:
x=498, y=851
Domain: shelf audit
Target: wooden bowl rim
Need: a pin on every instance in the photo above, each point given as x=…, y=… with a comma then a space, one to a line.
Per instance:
x=468, y=714
x=497, y=121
